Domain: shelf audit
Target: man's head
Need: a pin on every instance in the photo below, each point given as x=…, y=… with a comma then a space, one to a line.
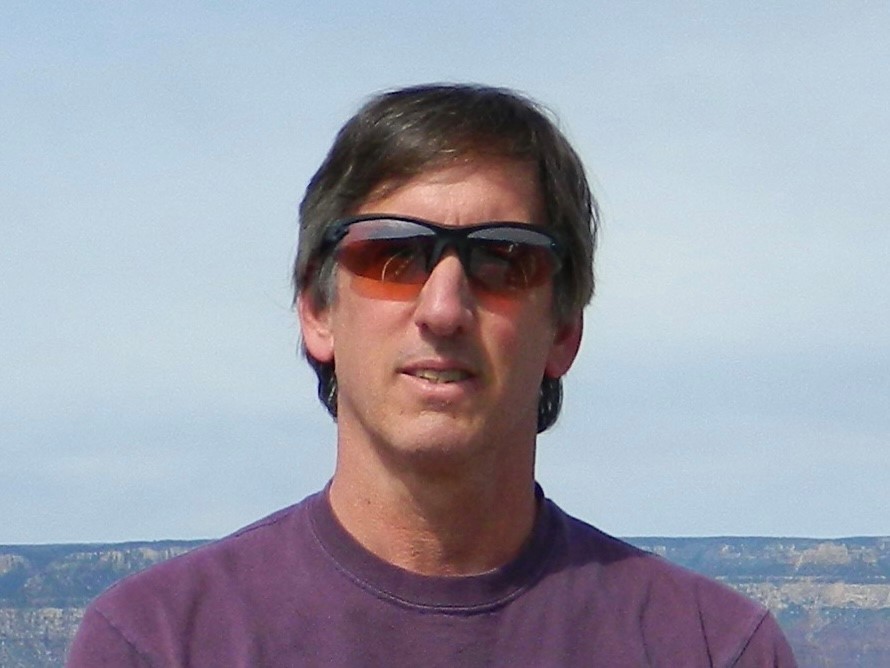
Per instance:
x=400, y=135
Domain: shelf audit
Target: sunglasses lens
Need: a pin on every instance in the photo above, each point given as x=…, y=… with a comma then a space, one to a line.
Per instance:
x=513, y=264
x=500, y=260
x=389, y=251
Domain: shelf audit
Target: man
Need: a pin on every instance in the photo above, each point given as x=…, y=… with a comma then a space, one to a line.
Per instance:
x=445, y=257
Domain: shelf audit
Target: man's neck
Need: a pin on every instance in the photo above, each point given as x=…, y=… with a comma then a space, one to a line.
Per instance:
x=436, y=524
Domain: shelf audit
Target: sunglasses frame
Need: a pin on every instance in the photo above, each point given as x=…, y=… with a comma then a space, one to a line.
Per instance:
x=457, y=237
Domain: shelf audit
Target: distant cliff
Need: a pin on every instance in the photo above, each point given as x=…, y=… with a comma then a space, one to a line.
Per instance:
x=832, y=597
x=44, y=589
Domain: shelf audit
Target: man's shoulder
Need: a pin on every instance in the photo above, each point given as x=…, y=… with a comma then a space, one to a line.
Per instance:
x=150, y=617
x=236, y=558
x=628, y=567
x=669, y=603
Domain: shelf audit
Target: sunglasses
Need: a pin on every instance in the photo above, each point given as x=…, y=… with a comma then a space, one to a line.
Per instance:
x=399, y=253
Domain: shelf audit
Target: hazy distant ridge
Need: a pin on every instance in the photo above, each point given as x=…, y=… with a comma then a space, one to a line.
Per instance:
x=864, y=560
x=66, y=576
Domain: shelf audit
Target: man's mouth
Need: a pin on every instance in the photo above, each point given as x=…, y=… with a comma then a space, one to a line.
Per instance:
x=441, y=375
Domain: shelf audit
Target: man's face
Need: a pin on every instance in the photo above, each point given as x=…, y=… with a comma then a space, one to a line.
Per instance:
x=451, y=374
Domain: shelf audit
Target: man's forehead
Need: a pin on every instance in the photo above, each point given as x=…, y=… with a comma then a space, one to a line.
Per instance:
x=457, y=171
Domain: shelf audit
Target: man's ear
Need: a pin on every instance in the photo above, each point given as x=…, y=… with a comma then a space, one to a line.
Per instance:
x=315, y=325
x=565, y=347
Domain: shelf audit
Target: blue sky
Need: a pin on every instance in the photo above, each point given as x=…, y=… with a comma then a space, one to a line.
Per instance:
x=735, y=372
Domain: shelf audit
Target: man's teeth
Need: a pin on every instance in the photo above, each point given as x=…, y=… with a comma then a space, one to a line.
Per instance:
x=444, y=376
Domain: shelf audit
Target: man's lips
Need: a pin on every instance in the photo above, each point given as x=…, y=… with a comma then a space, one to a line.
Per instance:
x=438, y=371
x=440, y=375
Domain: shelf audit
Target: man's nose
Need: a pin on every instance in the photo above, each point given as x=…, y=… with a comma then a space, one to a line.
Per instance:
x=445, y=304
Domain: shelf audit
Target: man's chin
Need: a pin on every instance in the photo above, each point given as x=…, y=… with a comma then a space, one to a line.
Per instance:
x=444, y=450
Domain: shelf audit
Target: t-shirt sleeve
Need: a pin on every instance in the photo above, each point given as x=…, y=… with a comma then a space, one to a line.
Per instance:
x=767, y=648
x=98, y=644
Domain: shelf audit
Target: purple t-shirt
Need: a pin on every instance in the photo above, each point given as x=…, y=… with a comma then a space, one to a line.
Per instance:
x=295, y=589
